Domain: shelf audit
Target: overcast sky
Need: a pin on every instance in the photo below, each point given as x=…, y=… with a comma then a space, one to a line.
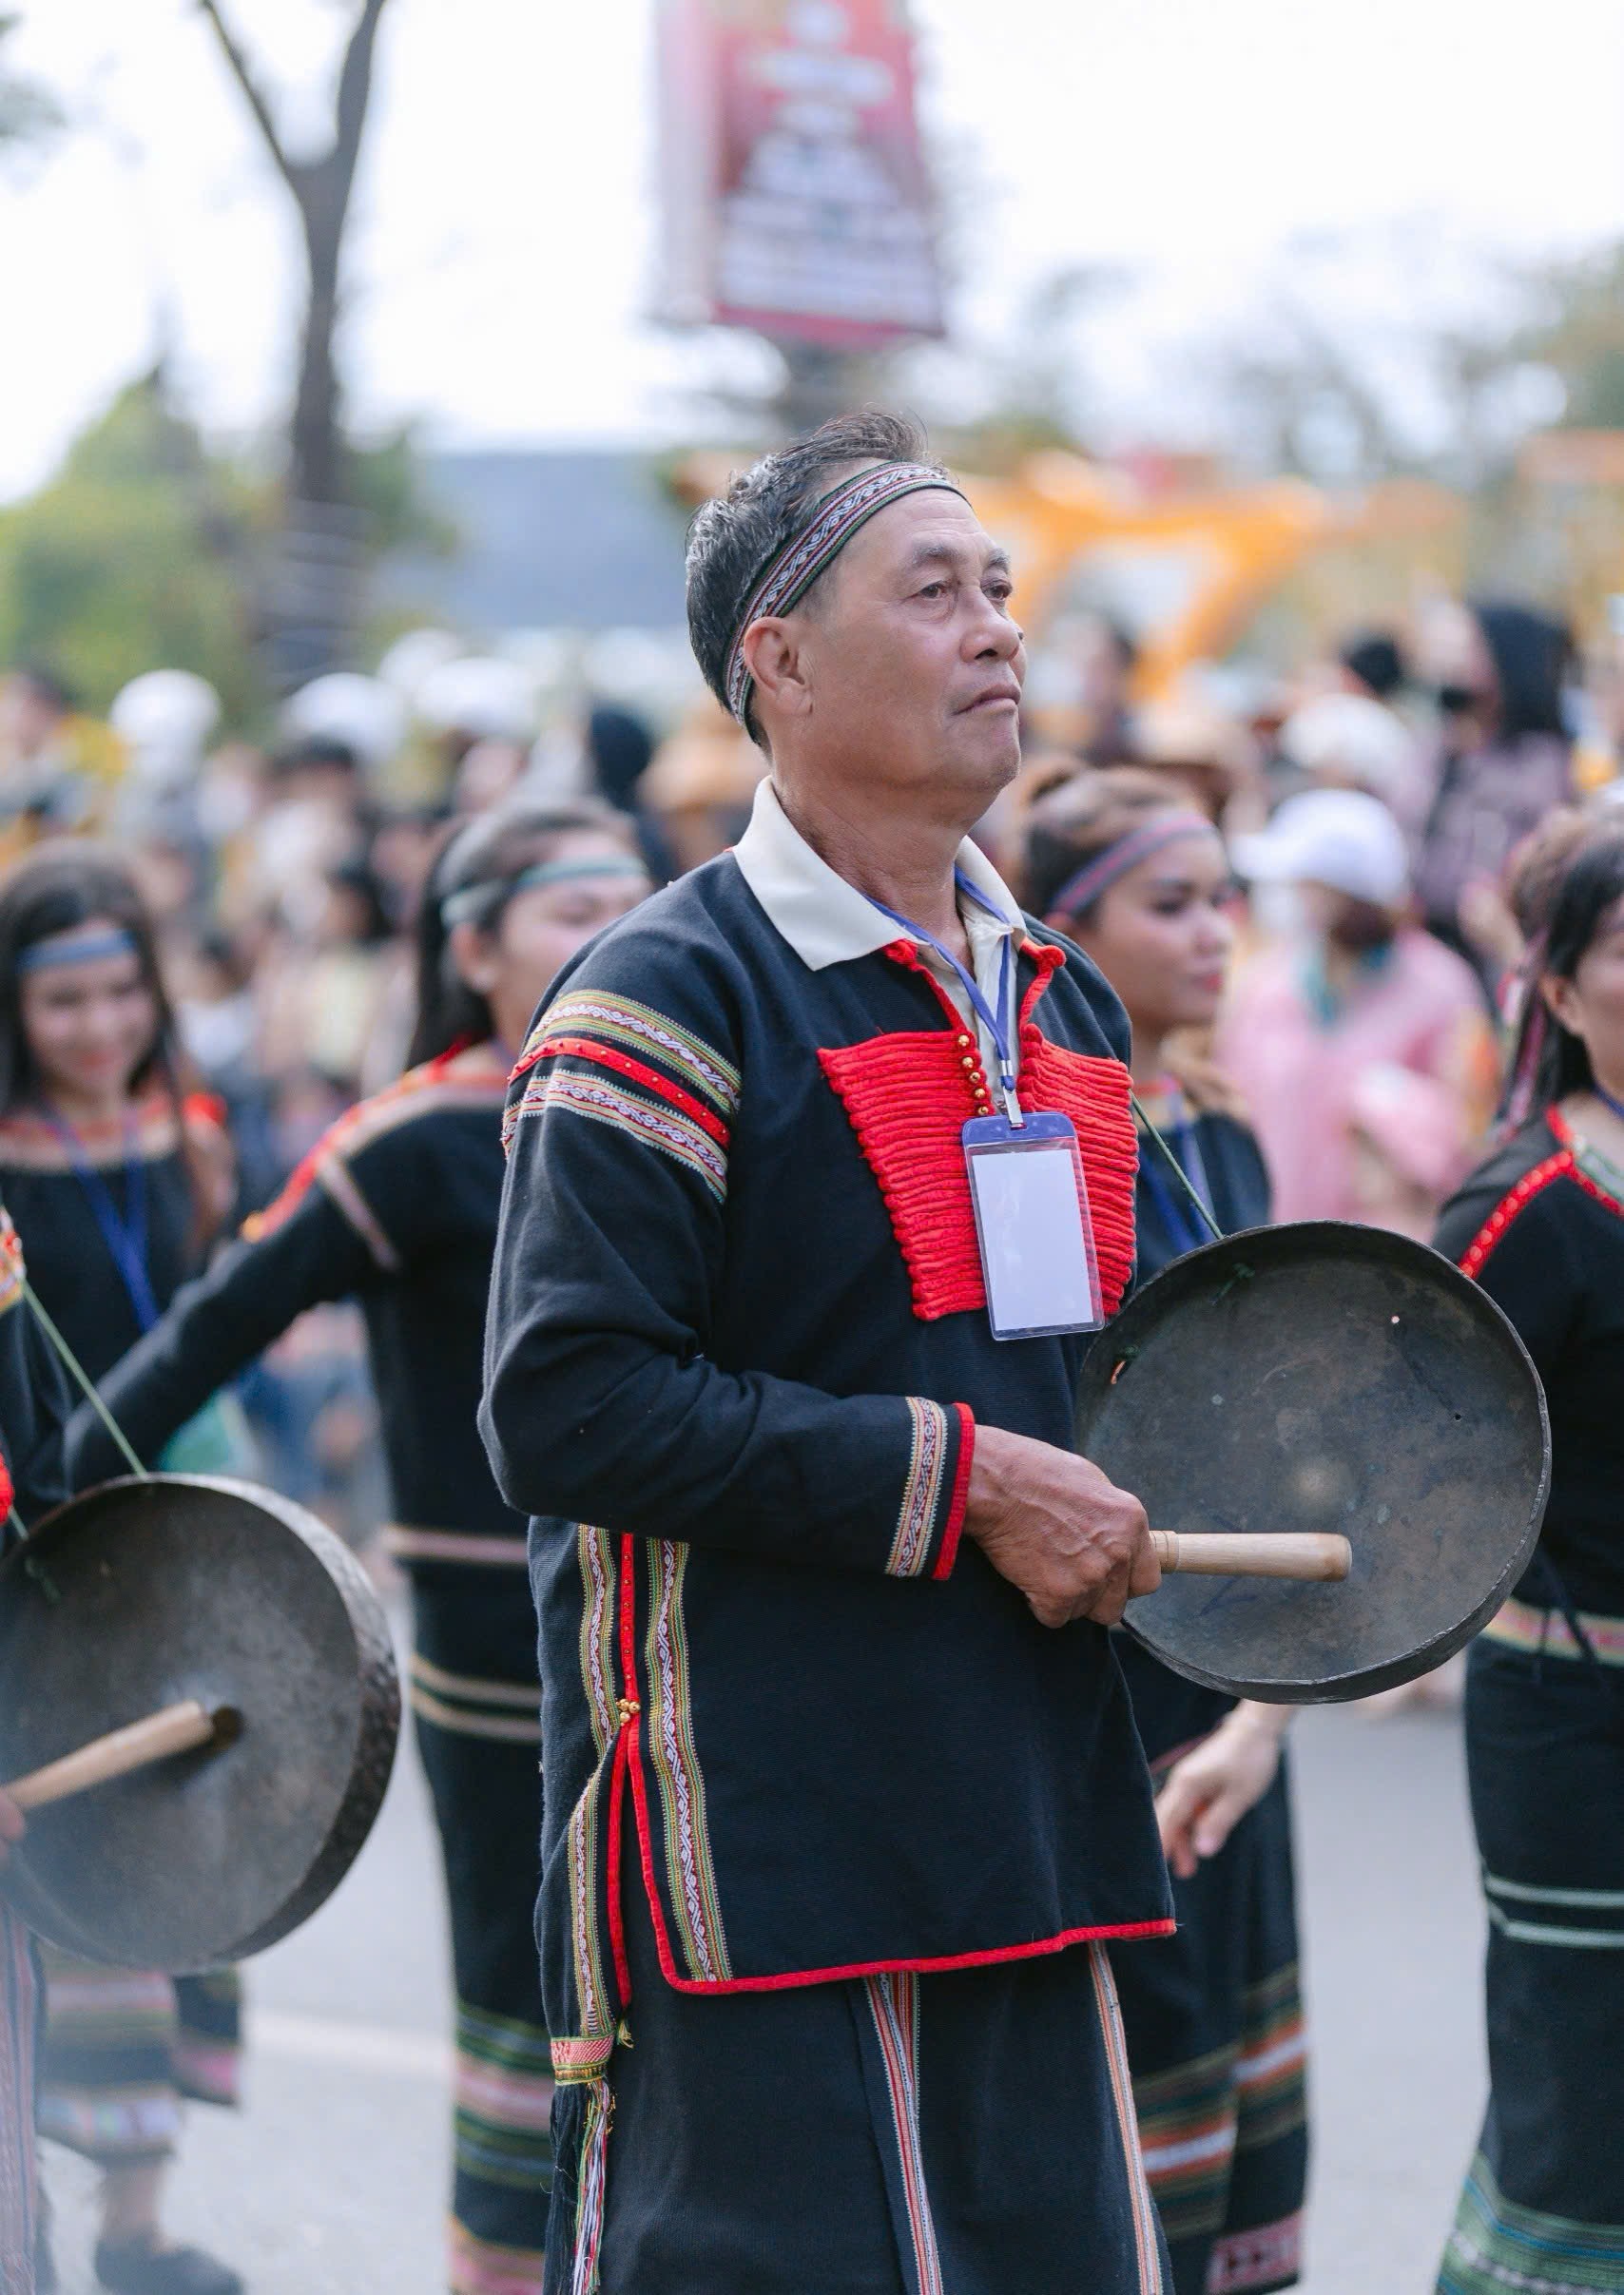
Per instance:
x=503, y=259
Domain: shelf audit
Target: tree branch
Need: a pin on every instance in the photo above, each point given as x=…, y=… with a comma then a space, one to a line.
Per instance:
x=242, y=72
x=355, y=88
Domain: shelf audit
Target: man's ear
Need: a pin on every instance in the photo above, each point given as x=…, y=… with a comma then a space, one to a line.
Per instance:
x=772, y=655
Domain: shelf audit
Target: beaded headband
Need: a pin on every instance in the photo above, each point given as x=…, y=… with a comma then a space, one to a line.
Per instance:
x=1097, y=875
x=791, y=571
x=75, y=945
x=468, y=899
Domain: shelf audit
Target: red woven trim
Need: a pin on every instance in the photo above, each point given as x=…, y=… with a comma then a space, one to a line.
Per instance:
x=1560, y=1166
x=586, y=1048
x=908, y=1097
x=8, y=1490
x=949, y=1554
x=616, y=1909
x=1125, y=1931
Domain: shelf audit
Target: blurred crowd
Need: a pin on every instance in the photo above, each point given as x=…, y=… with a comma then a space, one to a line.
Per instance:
x=1388, y=810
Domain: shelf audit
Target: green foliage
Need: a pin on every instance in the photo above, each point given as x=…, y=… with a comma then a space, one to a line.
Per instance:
x=1578, y=334
x=133, y=557
x=29, y=113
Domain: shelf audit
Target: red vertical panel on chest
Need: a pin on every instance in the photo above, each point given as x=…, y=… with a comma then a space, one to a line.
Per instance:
x=908, y=1099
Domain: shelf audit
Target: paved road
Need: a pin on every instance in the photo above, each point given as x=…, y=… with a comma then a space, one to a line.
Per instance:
x=331, y=2182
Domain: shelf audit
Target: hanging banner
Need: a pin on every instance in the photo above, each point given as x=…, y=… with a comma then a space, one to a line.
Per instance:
x=795, y=192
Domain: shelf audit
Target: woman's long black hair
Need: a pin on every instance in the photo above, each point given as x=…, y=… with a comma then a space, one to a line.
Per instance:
x=1551, y=1062
x=57, y=890
x=490, y=853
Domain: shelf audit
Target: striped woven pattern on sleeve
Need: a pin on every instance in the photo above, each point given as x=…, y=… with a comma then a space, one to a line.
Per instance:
x=620, y=1063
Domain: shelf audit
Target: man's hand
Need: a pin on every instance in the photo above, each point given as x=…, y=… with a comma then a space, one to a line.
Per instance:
x=1205, y=1796
x=1075, y=1545
x=11, y=1825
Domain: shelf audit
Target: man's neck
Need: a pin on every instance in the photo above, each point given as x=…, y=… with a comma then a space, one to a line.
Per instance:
x=905, y=865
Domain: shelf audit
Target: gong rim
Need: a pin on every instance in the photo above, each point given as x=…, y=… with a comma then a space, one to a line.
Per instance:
x=178, y=1508
x=1245, y=1260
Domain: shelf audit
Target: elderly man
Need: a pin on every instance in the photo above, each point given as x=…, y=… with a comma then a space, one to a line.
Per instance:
x=821, y=1169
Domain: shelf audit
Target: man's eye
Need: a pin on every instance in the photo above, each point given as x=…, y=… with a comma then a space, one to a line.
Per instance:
x=933, y=589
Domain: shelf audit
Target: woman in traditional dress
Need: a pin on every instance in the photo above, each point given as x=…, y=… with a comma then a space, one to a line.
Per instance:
x=1141, y=882
x=1541, y=1226
x=116, y=1181
x=396, y=1206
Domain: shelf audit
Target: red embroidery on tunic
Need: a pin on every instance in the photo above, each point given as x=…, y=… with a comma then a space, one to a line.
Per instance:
x=908, y=1097
x=638, y=1071
x=1532, y=1184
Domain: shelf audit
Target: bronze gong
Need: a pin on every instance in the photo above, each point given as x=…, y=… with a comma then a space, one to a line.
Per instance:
x=144, y=1595
x=1325, y=1378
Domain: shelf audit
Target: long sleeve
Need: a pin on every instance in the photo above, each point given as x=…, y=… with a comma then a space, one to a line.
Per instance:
x=604, y=1402
x=302, y=1252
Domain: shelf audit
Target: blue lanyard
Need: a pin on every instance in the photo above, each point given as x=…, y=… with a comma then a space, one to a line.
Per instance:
x=1186, y=1148
x=1001, y=1034
x=124, y=1233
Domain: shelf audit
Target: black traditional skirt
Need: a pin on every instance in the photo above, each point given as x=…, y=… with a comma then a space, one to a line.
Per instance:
x=1214, y=2023
x=475, y=1699
x=963, y=2133
x=1542, y=2208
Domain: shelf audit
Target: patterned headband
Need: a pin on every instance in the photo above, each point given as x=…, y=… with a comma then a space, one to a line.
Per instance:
x=470, y=899
x=1097, y=875
x=790, y=573
x=76, y=946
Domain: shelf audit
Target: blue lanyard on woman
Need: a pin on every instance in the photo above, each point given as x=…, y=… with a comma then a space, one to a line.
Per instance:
x=1180, y=1138
x=124, y=1233
x=997, y=1027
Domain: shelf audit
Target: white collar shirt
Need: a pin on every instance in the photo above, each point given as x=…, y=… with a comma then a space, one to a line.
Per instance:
x=827, y=921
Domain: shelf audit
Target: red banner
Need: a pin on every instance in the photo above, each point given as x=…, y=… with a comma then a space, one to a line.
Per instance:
x=796, y=197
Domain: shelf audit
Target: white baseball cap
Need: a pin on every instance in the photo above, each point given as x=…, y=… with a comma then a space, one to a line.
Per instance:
x=1340, y=837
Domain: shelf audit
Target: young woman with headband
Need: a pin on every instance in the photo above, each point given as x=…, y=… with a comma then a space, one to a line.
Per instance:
x=1140, y=880
x=397, y=1207
x=1541, y=1226
x=116, y=1180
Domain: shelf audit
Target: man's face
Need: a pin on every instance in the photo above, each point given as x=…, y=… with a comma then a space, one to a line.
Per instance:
x=912, y=665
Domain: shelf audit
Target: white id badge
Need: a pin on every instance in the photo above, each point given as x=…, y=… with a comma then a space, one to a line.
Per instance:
x=1033, y=1224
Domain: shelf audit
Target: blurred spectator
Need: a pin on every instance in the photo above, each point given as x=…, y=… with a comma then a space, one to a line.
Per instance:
x=1347, y=740
x=1107, y=658
x=702, y=784
x=1359, y=1043
x=1373, y=665
x=1503, y=759
x=1203, y=752
x=58, y=768
x=619, y=752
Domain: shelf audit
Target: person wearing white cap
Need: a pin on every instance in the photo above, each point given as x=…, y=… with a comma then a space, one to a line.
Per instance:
x=1350, y=986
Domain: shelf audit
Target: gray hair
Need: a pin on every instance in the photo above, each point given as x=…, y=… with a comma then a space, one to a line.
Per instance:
x=733, y=536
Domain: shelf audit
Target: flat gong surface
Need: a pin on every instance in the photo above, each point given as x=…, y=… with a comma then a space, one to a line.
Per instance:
x=143, y=1594
x=1328, y=1378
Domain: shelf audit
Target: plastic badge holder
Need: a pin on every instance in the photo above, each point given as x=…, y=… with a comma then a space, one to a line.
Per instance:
x=1034, y=1226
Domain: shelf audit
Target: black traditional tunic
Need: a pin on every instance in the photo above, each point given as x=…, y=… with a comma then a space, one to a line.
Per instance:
x=33, y=1408
x=1541, y=1227
x=396, y=1207
x=120, y=2049
x=737, y=1351
x=1214, y=2015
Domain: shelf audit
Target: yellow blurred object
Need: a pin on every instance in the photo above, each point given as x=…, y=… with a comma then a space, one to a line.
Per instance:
x=1201, y=556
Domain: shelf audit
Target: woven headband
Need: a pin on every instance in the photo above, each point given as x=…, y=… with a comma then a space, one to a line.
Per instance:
x=790, y=573
x=467, y=901
x=77, y=946
x=1097, y=875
